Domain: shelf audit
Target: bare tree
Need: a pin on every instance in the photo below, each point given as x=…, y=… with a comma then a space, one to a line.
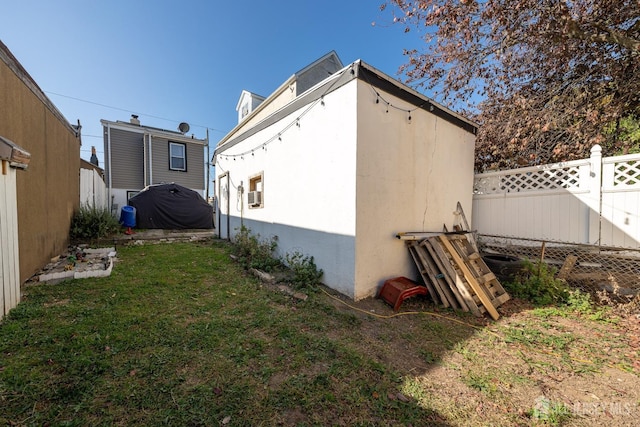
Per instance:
x=546, y=79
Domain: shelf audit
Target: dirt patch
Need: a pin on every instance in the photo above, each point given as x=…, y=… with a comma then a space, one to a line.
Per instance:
x=523, y=369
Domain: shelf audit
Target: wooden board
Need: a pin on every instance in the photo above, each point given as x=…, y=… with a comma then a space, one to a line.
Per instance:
x=454, y=278
x=486, y=301
x=429, y=276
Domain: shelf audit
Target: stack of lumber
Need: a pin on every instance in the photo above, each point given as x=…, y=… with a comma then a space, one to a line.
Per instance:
x=456, y=275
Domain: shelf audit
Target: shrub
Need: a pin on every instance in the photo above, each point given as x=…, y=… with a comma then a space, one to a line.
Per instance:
x=252, y=252
x=91, y=223
x=538, y=285
x=305, y=271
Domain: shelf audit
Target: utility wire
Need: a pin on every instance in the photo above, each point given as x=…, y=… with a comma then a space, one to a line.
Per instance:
x=127, y=111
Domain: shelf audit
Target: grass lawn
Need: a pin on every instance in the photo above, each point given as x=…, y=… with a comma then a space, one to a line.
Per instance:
x=180, y=335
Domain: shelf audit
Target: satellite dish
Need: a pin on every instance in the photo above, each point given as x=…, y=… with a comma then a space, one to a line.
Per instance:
x=183, y=127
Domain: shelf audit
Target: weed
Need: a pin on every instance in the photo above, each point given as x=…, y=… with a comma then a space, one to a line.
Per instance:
x=553, y=413
x=252, y=252
x=480, y=382
x=305, y=271
x=538, y=285
x=90, y=222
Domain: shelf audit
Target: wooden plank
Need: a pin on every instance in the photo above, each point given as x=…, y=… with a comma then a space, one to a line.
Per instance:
x=455, y=297
x=567, y=266
x=483, y=274
x=444, y=287
x=427, y=276
x=484, y=298
x=472, y=237
x=456, y=282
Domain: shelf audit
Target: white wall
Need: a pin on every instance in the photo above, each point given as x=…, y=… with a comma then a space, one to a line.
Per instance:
x=9, y=258
x=309, y=184
x=410, y=176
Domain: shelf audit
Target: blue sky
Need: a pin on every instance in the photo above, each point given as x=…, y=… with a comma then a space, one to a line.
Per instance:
x=175, y=61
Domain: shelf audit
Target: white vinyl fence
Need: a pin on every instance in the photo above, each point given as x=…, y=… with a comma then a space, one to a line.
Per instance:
x=591, y=201
x=9, y=260
x=93, y=190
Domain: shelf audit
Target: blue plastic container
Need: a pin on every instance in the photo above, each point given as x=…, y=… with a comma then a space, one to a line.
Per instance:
x=128, y=216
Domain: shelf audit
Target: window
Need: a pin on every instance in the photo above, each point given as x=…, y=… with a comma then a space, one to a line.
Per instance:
x=130, y=194
x=177, y=157
x=256, y=191
x=245, y=110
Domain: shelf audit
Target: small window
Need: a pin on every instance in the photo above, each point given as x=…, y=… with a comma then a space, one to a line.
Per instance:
x=177, y=156
x=131, y=194
x=245, y=110
x=256, y=191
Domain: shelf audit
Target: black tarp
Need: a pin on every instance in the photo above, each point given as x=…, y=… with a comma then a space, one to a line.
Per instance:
x=171, y=207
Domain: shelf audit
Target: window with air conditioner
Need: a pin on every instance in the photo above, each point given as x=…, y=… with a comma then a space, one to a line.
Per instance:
x=255, y=195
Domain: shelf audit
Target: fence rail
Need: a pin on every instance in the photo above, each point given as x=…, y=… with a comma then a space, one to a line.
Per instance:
x=590, y=201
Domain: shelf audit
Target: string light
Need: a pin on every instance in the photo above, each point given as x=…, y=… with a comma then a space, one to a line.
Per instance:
x=321, y=101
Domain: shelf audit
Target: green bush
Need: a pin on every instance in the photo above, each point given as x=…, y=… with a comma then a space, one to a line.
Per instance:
x=92, y=223
x=252, y=252
x=538, y=284
x=305, y=271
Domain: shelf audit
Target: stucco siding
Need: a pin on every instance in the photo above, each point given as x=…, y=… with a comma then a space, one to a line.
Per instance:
x=309, y=183
x=48, y=192
x=410, y=176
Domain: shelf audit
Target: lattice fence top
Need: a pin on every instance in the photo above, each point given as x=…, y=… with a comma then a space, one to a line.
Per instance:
x=528, y=179
x=627, y=173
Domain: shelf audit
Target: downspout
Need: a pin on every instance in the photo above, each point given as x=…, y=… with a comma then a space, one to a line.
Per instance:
x=206, y=184
x=144, y=158
x=109, y=196
x=150, y=159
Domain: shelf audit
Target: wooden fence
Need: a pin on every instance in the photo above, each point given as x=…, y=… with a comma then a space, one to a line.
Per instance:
x=592, y=201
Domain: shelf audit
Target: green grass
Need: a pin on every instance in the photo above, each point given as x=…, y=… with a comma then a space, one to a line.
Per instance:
x=180, y=334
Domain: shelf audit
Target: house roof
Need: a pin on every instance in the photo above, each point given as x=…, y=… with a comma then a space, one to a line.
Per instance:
x=154, y=131
x=247, y=93
x=331, y=55
x=356, y=70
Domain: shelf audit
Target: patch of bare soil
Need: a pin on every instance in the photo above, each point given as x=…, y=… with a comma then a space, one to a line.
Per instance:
x=526, y=368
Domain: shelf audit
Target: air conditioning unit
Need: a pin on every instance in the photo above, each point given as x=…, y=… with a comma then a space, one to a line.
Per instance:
x=254, y=198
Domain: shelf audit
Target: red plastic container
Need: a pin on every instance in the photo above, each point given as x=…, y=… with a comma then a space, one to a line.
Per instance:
x=396, y=290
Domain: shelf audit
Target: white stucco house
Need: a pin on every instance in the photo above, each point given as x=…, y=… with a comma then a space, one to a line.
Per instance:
x=336, y=162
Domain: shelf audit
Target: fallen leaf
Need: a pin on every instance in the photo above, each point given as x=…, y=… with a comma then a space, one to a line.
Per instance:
x=226, y=420
x=132, y=373
x=375, y=395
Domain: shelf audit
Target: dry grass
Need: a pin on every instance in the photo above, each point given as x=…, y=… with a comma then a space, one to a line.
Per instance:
x=180, y=335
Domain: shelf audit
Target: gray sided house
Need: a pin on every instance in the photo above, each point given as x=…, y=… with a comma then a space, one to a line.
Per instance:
x=137, y=156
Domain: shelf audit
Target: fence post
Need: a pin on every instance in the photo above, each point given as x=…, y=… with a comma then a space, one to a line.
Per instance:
x=595, y=195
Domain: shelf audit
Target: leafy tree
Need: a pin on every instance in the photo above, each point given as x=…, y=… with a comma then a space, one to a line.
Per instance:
x=546, y=79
